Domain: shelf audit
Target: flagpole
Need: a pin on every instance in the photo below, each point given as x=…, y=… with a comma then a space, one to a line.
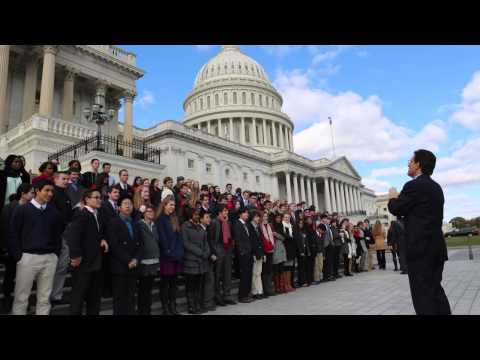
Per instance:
x=333, y=138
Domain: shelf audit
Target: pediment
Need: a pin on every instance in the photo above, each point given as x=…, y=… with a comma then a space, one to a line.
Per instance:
x=344, y=166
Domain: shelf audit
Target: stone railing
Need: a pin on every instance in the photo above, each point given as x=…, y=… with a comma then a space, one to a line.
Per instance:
x=53, y=125
x=116, y=52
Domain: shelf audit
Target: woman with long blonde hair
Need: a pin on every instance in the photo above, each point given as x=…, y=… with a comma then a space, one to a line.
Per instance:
x=141, y=199
x=171, y=253
x=379, y=236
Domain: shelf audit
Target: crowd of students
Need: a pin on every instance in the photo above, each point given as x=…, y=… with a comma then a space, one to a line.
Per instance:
x=117, y=238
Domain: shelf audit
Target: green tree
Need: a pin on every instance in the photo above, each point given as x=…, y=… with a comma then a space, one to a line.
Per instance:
x=458, y=222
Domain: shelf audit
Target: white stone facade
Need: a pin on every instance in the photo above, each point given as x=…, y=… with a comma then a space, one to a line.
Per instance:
x=233, y=131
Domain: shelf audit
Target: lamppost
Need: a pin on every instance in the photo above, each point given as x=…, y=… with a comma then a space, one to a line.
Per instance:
x=98, y=114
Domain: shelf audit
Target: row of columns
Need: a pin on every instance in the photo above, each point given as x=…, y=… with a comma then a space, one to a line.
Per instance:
x=283, y=132
x=47, y=90
x=340, y=197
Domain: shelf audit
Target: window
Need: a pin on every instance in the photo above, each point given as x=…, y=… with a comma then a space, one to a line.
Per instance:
x=227, y=172
x=208, y=168
x=235, y=98
x=266, y=99
x=225, y=99
x=216, y=99
x=252, y=96
x=247, y=133
x=191, y=163
x=195, y=105
x=208, y=102
x=245, y=176
x=260, y=102
x=201, y=103
x=244, y=98
x=257, y=179
x=384, y=209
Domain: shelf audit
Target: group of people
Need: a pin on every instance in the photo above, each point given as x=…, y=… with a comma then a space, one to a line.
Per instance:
x=117, y=239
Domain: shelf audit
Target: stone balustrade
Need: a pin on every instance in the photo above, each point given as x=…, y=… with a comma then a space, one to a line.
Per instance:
x=116, y=52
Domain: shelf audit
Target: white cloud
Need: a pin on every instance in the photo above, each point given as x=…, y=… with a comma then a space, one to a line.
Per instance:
x=468, y=114
x=203, y=47
x=379, y=186
x=329, y=55
x=362, y=131
x=147, y=98
x=390, y=171
x=280, y=50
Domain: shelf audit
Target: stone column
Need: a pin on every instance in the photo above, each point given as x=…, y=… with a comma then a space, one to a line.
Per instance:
x=68, y=87
x=333, y=195
x=326, y=188
x=48, y=80
x=354, y=202
x=264, y=132
x=291, y=139
x=280, y=137
x=209, y=126
x=254, y=135
x=230, y=129
x=295, y=188
x=338, y=197
x=347, y=198
x=285, y=134
x=342, y=197
x=357, y=200
x=309, y=192
x=242, y=131
x=275, y=190
x=128, y=113
x=302, y=188
x=288, y=186
x=4, y=59
x=315, y=194
x=274, y=133
x=30, y=88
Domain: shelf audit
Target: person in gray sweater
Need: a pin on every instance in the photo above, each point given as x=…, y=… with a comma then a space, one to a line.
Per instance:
x=197, y=253
x=150, y=263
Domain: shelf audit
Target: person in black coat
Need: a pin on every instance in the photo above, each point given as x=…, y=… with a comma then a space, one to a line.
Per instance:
x=421, y=203
x=126, y=250
x=393, y=240
x=125, y=189
x=89, y=179
x=85, y=237
x=12, y=169
x=258, y=254
x=243, y=246
x=303, y=251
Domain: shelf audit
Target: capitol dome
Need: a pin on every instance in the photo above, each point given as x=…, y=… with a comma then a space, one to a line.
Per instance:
x=232, y=98
x=231, y=62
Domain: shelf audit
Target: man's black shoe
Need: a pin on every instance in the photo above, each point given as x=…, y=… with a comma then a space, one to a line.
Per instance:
x=230, y=302
x=59, y=302
x=246, y=300
x=220, y=303
x=403, y=272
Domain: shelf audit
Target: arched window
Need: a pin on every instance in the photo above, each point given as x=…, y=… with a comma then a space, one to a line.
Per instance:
x=201, y=103
x=244, y=98
x=208, y=102
x=252, y=96
x=216, y=99
x=235, y=98
x=225, y=99
x=260, y=102
x=266, y=99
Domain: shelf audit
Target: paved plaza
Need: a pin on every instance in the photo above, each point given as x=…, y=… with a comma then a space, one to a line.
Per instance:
x=377, y=292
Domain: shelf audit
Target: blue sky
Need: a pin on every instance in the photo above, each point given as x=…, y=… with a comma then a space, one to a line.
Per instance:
x=385, y=102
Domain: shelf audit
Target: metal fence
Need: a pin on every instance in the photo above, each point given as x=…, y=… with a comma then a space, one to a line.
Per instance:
x=136, y=149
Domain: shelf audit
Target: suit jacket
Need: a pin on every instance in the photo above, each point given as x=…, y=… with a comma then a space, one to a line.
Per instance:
x=108, y=211
x=256, y=241
x=243, y=243
x=75, y=194
x=63, y=204
x=123, y=247
x=128, y=192
x=215, y=238
x=421, y=203
x=89, y=179
x=83, y=238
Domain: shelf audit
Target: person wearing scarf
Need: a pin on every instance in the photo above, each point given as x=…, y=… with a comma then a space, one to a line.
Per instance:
x=11, y=177
x=268, y=242
x=279, y=255
x=47, y=169
x=291, y=248
x=221, y=245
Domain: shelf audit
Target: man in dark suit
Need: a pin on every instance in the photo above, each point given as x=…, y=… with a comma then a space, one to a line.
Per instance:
x=125, y=189
x=89, y=178
x=421, y=203
x=243, y=245
x=74, y=188
x=86, y=240
x=109, y=208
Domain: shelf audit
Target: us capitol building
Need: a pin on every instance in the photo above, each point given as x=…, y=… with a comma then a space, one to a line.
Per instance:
x=233, y=130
